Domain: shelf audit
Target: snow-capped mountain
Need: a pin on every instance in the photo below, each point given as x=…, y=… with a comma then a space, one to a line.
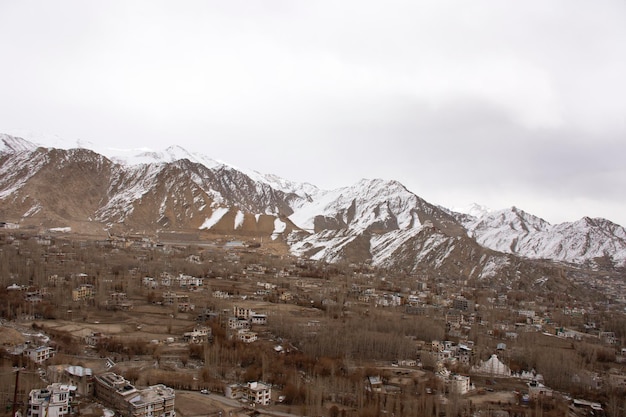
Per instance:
x=376, y=221
x=517, y=232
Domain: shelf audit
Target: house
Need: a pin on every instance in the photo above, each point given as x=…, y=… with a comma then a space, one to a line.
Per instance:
x=462, y=304
x=200, y=334
x=39, y=354
x=285, y=296
x=53, y=401
x=454, y=317
x=464, y=354
x=182, y=300
x=246, y=336
x=118, y=301
x=374, y=383
x=186, y=307
x=259, y=393
x=235, y=323
x=608, y=338
x=72, y=375
x=116, y=392
x=220, y=294
x=258, y=319
x=187, y=281
x=459, y=384
x=83, y=292
x=94, y=338
x=149, y=282
x=242, y=313
x=254, y=392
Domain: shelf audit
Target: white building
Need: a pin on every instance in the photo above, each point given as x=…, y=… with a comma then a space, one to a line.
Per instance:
x=493, y=367
x=254, y=392
x=459, y=384
x=259, y=393
x=53, y=401
x=39, y=354
x=246, y=336
x=116, y=392
x=257, y=318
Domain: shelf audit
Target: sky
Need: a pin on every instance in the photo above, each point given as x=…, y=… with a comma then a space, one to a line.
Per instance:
x=501, y=103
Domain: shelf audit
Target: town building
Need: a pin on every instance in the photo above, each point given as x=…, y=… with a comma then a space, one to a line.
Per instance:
x=459, y=384
x=254, y=392
x=116, y=392
x=83, y=292
x=53, y=401
x=200, y=334
x=72, y=375
x=39, y=354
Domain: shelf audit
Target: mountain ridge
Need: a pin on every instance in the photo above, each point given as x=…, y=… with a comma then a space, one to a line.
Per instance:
x=377, y=220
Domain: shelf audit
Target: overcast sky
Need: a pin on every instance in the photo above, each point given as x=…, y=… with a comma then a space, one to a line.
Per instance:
x=497, y=102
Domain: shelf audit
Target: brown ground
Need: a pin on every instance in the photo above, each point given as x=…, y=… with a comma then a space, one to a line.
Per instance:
x=10, y=337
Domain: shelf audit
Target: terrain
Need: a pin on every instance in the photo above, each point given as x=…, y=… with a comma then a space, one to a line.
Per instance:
x=391, y=273
x=175, y=193
x=389, y=322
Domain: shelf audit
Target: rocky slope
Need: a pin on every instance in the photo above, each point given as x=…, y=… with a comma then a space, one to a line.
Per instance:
x=374, y=221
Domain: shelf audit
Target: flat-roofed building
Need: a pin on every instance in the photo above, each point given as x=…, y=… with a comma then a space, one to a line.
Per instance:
x=116, y=392
x=53, y=401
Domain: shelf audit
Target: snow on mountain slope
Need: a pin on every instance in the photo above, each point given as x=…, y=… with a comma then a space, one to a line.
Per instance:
x=473, y=210
x=126, y=187
x=12, y=144
x=381, y=204
x=148, y=156
x=304, y=190
x=377, y=220
x=517, y=232
x=19, y=169
x=371, y=218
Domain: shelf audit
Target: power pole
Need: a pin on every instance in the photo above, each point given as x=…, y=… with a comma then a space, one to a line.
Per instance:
x=14, y=408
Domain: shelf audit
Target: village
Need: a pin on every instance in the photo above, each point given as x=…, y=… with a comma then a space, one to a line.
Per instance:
x=130, y=326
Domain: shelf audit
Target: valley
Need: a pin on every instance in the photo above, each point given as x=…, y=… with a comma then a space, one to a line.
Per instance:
x=329, y=339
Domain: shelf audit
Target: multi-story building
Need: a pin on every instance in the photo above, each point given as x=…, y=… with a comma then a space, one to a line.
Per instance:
x=39, y=354
x=200, y=334
x=117, y=393
x=254, y=392
x=462, y=304
x=235, y=323
x=83, y=292
x=53, y=401
x=246, y=336
x=72, y=375
x=257, y=318
x=242, y=312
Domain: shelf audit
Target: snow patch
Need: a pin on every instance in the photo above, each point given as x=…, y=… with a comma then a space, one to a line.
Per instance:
x=239, y=217
x=61, y=229
x=216, y=216
x=279, y=228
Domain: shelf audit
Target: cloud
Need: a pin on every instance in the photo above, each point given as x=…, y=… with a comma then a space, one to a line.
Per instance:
x=512, y=103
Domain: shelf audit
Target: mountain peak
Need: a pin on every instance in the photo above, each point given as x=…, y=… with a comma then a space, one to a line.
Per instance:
x=12, y=144
x=473, y=210
x=181, y=190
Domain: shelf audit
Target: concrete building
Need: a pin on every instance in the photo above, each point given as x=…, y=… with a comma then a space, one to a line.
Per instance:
x=254, y=392
x=83, y=292
x=459, y=384
x=116, y=392
x=39, y=354
x=76, y=376
x=53, y=401
x=200, y=334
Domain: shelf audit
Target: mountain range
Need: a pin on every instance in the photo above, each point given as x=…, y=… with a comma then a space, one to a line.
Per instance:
x=376, y=221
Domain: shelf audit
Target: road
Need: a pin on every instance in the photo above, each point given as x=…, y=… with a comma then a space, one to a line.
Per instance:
x=230, y=407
